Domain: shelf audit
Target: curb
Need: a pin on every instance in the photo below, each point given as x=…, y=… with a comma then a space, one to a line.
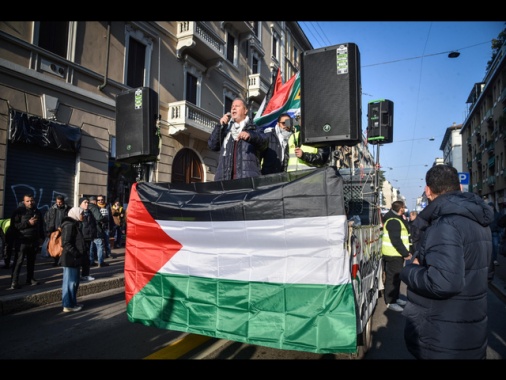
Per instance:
x=15, y=303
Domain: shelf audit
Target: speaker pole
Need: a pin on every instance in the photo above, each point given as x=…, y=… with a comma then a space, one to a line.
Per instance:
x=140, y=174
x=376, y=186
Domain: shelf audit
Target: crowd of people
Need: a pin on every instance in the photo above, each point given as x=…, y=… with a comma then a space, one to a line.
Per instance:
x=85, y=238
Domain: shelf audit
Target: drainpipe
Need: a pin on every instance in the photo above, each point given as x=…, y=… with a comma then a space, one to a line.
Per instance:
x=102, y=86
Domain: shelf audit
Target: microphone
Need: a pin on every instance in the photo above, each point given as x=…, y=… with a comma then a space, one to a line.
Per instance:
x=229, y=118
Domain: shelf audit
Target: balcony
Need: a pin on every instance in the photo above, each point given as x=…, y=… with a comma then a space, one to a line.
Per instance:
x=257, y=88
x=491, y=180
x=204, y=43
x=491, y=162
x=186, y=118
x=478, y=157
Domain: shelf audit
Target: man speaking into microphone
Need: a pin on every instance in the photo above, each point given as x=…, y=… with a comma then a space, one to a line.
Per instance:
x=239, y=142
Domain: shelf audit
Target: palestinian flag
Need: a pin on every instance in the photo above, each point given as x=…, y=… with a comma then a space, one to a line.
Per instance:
x=259, y=260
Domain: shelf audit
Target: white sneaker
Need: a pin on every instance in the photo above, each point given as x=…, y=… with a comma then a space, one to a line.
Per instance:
x=70, y=309
x=496, y=262
x=394, y=307
x=87, y=278
x=401, y=302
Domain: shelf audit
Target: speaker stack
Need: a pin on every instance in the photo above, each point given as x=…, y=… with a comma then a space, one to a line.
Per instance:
x=331, y=110
x=380, y=122
x=137, y=137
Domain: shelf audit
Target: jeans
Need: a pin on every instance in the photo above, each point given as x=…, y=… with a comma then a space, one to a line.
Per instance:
x=70, y=286
x=22, y=250
x=393, y=266
x=117, y=234
x=97, y=246
x=107, y=245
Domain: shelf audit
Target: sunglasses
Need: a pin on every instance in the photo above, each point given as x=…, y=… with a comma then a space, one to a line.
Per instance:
x=100, y=200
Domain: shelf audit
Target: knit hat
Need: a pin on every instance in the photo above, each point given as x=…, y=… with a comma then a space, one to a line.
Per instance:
x=82, y=199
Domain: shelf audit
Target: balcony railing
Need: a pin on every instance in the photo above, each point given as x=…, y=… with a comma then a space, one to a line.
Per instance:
x=197, y=34
x=185, y=117
x=256, y=86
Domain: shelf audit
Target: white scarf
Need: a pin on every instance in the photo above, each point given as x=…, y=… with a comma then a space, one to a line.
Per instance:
x=234, y=131
x=283, y=136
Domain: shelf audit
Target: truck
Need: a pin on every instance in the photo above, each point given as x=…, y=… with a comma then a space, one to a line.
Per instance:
x=274, y=261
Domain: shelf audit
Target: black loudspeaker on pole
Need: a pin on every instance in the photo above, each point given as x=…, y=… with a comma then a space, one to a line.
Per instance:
x=380, y=117
x=331, y=106
x=137, y=136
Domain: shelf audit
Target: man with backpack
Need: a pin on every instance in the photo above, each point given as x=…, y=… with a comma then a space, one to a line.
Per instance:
x=53, y=218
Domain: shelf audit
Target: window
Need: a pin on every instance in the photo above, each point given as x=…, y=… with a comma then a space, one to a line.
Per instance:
x=193, y=73
x=191, y=88
x=275, y=53
x=230, y=48
x=136, y=63
x=228, y=104
x=254, y=65
x=53, y=36
x=138, y=49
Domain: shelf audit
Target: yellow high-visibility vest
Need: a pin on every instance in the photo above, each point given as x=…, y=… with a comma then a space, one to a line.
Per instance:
x=387, y=248
x=295, y=163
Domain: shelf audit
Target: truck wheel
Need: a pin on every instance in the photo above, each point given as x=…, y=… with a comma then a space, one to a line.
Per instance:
x=365, y=342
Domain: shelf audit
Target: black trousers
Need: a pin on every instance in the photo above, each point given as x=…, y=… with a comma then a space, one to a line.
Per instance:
x=22, y=250
x=392, y=265
x=85, y=260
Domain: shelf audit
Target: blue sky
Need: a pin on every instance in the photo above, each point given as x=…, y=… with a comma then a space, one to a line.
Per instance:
x=407, y=62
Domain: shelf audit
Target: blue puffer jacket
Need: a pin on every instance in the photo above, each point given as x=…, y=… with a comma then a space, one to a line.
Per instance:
x=446, y=314
x=241, y=161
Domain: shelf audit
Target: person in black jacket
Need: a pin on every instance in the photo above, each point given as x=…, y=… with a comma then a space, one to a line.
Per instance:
x=54, y=217
x=275, y=157
x=28, y=227
x=446, y=313
x=89, y=229
x=239, y=142
x=74, y=249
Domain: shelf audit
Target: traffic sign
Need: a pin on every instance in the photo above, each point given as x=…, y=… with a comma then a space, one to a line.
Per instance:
x=464, y=178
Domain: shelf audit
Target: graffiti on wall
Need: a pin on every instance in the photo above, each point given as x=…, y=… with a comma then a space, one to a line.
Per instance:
x=43, y=200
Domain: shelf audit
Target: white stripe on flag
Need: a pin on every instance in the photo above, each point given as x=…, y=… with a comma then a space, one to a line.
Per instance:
x=287, y=251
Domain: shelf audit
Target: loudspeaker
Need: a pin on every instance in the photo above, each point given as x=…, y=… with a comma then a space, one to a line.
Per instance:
x=331, y=108
x=380, y=122
x=137, y=136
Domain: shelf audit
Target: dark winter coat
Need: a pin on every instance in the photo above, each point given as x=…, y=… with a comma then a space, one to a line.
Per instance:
x=22, y=228
x=54, y=217
x=242, y=158
x=273, y=160
x=73, y=243
x=446, y=313
x=88, y=226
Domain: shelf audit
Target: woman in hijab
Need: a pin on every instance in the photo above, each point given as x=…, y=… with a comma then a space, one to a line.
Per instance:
x=70, y=260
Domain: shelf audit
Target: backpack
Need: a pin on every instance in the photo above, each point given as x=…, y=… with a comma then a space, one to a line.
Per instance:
x=54, y=245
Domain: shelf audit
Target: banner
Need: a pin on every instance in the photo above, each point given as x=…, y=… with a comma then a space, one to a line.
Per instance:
x=259, y=260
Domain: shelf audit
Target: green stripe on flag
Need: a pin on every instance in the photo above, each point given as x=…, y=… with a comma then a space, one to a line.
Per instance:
x=304, y=317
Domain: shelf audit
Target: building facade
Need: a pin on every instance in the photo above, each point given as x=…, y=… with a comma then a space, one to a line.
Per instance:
x=484, y=133
x=59, y=82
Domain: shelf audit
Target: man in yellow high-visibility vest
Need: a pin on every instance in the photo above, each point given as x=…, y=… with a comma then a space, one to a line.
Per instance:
x=394, y=250
x=303, y=157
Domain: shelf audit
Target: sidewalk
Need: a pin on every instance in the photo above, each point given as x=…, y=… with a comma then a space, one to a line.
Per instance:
x=49, y=291
x=13, y=301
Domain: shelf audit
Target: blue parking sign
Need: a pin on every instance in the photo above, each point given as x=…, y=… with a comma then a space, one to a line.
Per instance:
x=464, y=178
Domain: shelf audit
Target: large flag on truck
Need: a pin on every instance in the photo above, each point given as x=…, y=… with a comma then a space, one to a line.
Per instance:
x=259, y=260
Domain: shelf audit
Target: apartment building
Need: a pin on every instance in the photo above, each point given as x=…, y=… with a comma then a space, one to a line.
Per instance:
x=59, y=83
x=484, y=133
